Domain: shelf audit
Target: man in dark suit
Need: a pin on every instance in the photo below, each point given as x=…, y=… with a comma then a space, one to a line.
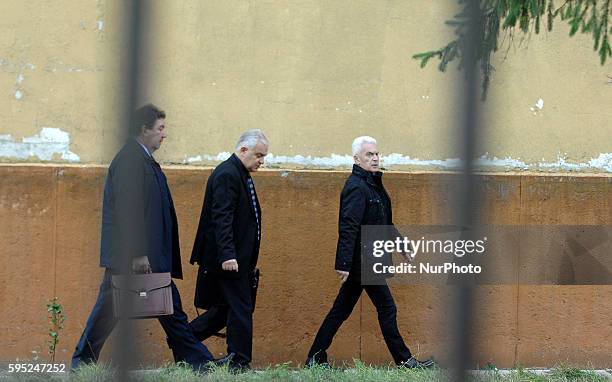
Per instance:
x=364, y=201
x=227, y=246
x=139, y=233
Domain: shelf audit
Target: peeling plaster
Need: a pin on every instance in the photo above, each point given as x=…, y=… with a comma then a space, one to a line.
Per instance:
x=48, y=142
x=55, y=66
x=508, y=162
x=193, y=159
x=100, y=15
x=332, y=161
x=208, y=158
x=539, y=105
x=16, y=67
x=602, y=163
x=18, y=92
x=309, y=161
x=405, y=160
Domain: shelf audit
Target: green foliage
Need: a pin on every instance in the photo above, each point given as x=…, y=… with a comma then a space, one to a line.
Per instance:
x=56, y=321
x=526, y=375
x=584, y=16
x=94, y=373
x=567, y=373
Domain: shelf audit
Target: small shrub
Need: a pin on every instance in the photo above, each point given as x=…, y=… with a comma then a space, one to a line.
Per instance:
x=56, y=321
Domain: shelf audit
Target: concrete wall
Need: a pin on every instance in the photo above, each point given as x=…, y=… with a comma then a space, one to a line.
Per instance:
x=313, y=74
x=50, y=219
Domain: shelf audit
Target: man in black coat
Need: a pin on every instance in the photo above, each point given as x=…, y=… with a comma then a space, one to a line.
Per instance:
x=364, y=201
x=139, y=233
x=227, y=246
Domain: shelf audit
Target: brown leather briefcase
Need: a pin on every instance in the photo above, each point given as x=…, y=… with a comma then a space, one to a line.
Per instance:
x=145, y=295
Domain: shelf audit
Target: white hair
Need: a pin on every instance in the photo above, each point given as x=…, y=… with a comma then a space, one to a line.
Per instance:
x=360, y=141
x=250, y=138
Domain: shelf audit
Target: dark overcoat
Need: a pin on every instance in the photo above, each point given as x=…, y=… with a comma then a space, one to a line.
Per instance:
x=138, y=215
x=228, y=226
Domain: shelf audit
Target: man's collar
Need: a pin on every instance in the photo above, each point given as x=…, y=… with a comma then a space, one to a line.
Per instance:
x=367, y=175
x=240, y=165
x=357, y=170
x=144, y=148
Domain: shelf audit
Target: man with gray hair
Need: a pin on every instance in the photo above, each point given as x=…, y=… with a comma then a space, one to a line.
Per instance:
x=227, y=247
x=364, y=201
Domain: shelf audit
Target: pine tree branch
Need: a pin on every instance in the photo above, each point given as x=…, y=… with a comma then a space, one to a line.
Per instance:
x=506, y=14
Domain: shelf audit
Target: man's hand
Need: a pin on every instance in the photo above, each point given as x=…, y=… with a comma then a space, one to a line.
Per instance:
x=230, y=265
x=141, y=265
x=343, y=275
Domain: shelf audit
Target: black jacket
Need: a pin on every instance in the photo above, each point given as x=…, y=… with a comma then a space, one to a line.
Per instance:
x=228, y=227
x=364, y=201
x=138, y=216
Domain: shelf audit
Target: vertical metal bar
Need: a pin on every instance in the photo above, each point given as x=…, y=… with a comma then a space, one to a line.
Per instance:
x=134, y=60
x=466, y=207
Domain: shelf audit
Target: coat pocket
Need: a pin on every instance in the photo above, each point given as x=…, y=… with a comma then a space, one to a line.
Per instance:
x=376, y=211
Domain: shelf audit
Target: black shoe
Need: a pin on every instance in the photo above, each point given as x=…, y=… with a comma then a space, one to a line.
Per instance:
x=225, y=360
x=413, y=363
x=312, y=362
x=232, y=365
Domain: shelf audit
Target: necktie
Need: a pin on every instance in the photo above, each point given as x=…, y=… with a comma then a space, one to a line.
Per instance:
x=254, y=202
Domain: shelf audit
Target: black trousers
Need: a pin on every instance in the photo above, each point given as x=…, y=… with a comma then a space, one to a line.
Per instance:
x=185, y=347
x=237, y=296
x=381, y=297
x=210, y=322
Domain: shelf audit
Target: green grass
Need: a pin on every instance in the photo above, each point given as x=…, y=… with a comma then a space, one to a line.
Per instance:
x=287, y=372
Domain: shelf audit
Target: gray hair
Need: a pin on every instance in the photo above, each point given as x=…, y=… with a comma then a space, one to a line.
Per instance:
x=359, y=142
x=250, y=138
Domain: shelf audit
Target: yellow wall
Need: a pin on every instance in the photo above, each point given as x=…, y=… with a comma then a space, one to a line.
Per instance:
x=311, y=74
